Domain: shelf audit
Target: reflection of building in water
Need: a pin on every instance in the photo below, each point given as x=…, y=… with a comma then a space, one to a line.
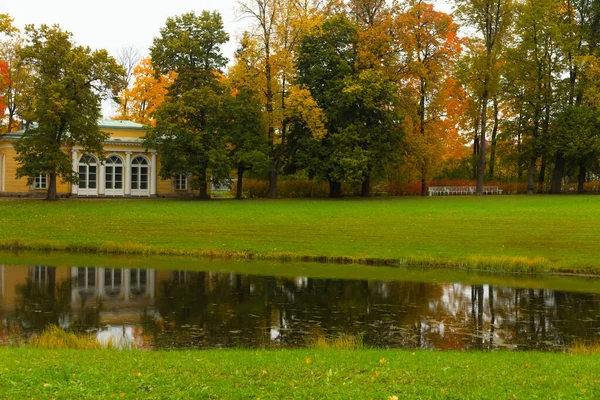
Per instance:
x=115, y=286
x=118, y=295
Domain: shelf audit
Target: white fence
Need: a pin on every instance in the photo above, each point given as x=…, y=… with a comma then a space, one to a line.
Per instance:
x=461, y=190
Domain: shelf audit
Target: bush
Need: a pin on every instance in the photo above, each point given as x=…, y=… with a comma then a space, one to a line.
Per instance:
x=289, y=189
x=299, y=188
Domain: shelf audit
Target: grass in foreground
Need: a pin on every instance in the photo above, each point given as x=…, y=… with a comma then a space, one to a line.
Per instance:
x=352, y=374
x=509, y=233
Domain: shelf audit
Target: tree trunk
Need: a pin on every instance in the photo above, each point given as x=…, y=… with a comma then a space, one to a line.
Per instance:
x=335, y=189
x=273, y=183
x=558, y=173
x=204, y=188
x=581, y=178
x=531, y=178
x=422, y=131
x=240, y=183
x=365, y=190
x=493, y=144
x=482, y=141
x=52, y=195
x=542, y=176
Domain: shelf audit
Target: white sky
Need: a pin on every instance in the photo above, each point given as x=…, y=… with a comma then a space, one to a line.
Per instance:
x=113, y=24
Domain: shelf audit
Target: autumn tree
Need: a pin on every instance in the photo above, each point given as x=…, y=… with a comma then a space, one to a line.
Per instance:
x=15, y=77
x=361, y=124
x=492, y=20
x=429, y=45
x=69, y=83
x=139, y=102
x=277, y=27
x=128, y=57
x=188, y=131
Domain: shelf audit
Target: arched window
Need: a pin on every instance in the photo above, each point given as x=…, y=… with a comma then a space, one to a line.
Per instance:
x=88, y=175
x=114, y=176
x=112, y=282
x=139, y=176
x=86, y=281
x=138, y=280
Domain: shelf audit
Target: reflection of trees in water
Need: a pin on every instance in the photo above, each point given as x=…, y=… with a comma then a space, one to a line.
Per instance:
x=42, y=301
x=222, y=310
x=205, y=309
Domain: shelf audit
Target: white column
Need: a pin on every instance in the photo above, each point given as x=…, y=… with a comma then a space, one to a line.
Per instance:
x=127, y=177
x=101, y=179
x=74, y=287
x=153, y=175
x=75, y=160
x=126, y=283
x=151, y=282
x=100, y=282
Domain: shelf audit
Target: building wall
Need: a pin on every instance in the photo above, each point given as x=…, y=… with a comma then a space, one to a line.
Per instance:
x=122, y=141
x=8, y=169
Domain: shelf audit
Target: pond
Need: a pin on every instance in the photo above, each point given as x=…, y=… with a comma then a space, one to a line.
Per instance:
x=238, y=305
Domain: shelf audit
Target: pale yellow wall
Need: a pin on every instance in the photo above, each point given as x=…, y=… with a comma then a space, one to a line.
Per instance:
x=20, y=186
x=14, y=185
x=125, y=133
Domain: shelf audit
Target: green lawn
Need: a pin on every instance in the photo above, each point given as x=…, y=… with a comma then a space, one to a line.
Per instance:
x=494, y=232
x=316, y=374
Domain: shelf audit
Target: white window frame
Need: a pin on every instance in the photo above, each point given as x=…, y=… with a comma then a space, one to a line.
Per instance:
x=93, y=163
x=181, y=182
x=39, y=274
x=113, y=165
x=40, y=182
x=136, y=177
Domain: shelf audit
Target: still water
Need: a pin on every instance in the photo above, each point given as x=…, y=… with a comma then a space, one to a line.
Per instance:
x=158, y=309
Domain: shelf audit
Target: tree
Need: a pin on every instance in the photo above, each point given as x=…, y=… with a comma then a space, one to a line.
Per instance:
x=361, y=121
x=15, y=79
x=128, y=57
x=139, y=102
x=189, y=129
x=277, y=28
x=243, y=124
x=492, y=20
x=69, y=83
x=430, y=45
x=578, y=138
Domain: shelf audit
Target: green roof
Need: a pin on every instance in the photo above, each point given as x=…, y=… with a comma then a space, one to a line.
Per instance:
x=102, y=124
x=119, y=124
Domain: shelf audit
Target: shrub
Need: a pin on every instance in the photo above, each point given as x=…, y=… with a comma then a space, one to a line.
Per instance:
x=295, y=188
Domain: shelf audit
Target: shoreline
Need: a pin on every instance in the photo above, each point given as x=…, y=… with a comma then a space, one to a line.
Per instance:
x=507, y=264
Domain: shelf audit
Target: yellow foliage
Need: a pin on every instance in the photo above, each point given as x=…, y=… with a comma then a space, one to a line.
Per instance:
x=139, y=102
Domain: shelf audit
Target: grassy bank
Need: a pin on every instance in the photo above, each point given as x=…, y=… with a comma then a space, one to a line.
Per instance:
x=358, y=374
x=510, y=233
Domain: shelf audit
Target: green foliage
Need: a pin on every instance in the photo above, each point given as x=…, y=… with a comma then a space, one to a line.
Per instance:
x=189, y=129
x=578, y=134
x=244, y=125
x=70, y=81
x=362, y=126
x=190, y=44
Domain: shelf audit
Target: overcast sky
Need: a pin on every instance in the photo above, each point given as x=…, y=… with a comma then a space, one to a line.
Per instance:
x=113, y=24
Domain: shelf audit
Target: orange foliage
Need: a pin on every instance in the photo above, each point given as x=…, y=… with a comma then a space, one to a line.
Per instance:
x=435, y=100
x=139, y=102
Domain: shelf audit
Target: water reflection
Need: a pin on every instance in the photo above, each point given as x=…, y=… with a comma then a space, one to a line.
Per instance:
x=182, y=309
